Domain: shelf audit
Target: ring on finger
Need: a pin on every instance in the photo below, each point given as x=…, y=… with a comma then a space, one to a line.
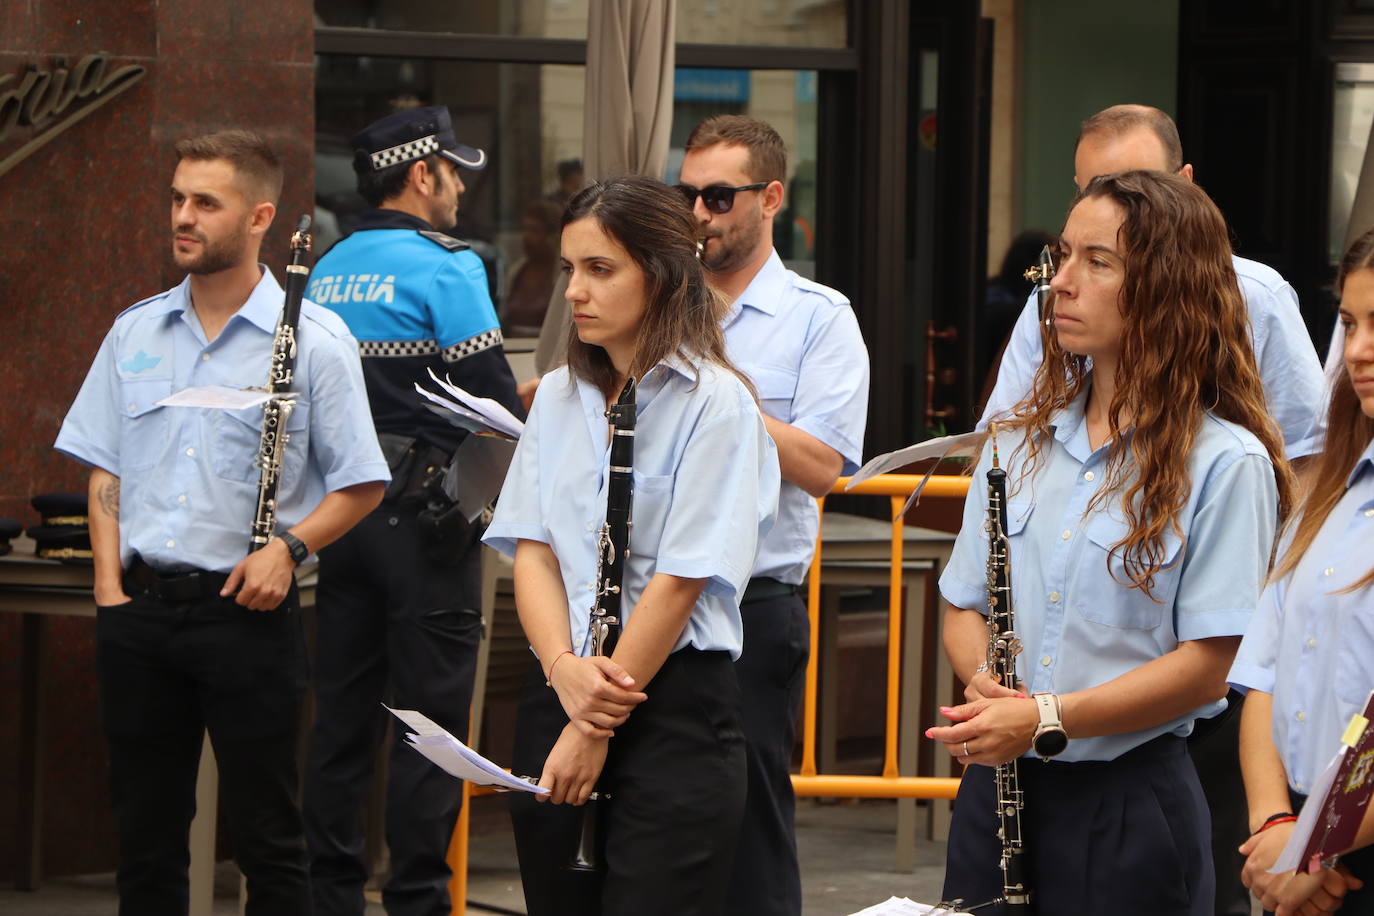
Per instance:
x=966, y=753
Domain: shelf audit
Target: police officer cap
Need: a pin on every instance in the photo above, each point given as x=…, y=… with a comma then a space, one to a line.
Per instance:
x=9, y=528
x=61, y=509
x=414, y=134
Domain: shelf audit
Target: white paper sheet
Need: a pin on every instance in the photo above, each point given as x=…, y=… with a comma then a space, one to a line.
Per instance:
x=902, y=906
x=944, y=447
x=496, y=417
x=477, y=473
x=455, y=757
x=216, y=396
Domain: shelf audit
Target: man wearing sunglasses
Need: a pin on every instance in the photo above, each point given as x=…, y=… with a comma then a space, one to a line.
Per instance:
x=800, y=344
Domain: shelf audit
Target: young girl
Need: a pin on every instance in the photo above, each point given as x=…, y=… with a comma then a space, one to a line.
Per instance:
x=1308, y=658
x=656, y=725
x=1145, y=481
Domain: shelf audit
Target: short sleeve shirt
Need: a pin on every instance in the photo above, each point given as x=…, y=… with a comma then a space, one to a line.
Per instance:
x=1311, y=644
x=188, y=481
x=799, y=343
x=705, y=492
x=1080, y=626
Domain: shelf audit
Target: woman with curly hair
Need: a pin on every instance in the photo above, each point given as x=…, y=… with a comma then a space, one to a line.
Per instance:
x=1145, y=482
x=658, y=723
x=1306, y=659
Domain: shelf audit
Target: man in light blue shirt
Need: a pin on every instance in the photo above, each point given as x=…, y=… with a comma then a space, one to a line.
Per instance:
x=1126, y=137
x=194, y=633
x=799, y=343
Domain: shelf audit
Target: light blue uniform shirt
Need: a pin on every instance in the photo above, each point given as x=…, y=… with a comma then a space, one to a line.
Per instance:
x=1311, y=647
x=705, y=492
x=1289, y=366
x=799, y=343
x=1078, y=626
x=188, y=484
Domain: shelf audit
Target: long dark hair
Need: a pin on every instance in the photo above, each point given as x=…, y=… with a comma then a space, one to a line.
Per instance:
x=1348, y=433
x=682, y=314
x=1185, y=350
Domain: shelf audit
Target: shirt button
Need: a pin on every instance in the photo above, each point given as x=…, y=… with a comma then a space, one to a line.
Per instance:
x=190, y=453
x=134, y=407
x=1301, y=716
x=1369, y=513
x=1311, y=643
x=1090, y=476
x=205, y=356
x=1067, y=534
x=1045, y=661
x=181, y=498
x=1328, y=571
x=171, y=543
x=393, y=521
x=1054, y=596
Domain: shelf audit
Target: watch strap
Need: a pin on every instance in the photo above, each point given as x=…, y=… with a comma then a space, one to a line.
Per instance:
x=296, y=546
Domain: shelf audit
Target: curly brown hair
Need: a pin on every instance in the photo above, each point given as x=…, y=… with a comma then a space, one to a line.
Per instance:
x=1185, y=351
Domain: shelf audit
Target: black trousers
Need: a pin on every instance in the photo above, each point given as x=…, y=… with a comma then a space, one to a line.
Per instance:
x=398, y=622
x=1128, y=837
x=766, y=880
x=1214, y=746
x=675, y=773
x=169, y=671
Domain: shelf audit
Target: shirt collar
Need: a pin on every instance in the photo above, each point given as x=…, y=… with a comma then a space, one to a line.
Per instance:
x=1364, y=465
x=765, y=291
x=383, y=218
x=262, y=309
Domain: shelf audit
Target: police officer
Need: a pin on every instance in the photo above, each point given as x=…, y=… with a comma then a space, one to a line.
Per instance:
x=398, y=598
x=800, y=345
x=191, y=633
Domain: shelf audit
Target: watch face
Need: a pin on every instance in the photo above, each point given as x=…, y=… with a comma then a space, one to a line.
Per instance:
x=1050, y=742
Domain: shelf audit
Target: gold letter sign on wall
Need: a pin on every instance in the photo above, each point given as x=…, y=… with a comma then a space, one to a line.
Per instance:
x=50, y=101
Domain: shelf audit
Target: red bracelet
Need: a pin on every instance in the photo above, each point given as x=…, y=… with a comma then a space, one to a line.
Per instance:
x=1276, y=819
x=548, y=678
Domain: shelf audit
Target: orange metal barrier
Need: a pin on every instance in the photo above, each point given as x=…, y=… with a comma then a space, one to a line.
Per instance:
x=890, y=784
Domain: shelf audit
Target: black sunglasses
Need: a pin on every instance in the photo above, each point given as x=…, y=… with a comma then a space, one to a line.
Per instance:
x=717, y=198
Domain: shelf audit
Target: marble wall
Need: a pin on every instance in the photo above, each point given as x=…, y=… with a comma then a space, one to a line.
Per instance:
x=84, y=233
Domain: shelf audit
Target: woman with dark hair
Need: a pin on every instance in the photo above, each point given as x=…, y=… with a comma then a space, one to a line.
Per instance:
x=1307, y=661
x=705, y=491
x=1145, y=480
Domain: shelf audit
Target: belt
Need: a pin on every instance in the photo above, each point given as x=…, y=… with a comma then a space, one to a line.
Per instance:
x=183, y=585
x=761, y=587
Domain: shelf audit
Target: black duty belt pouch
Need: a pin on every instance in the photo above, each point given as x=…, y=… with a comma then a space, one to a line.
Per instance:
x=417, y=484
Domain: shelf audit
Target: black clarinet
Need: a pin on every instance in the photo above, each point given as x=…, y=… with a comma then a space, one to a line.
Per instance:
x=1003, y=647
x=277, y=410
x=612, y=547
x=1041, y=275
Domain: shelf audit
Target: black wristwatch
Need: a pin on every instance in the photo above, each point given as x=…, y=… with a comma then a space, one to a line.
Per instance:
x=1050, y=738
x=297, y=547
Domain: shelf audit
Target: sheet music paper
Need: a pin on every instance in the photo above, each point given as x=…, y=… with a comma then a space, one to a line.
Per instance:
x=455, y=757
x=219, y=397
x=902, y=906
x=944, y=447
x=490, y=416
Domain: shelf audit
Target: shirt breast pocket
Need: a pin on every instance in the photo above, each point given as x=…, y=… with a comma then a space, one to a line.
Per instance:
x=776, y=387
x=146, y=431
x=238, y=433
x=649, y=513
x=1102, y=589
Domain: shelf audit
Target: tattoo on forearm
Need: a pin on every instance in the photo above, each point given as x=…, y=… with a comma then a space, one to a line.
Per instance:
x=109, y=498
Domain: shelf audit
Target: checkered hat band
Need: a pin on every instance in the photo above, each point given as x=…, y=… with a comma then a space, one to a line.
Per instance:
x=414, y=149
